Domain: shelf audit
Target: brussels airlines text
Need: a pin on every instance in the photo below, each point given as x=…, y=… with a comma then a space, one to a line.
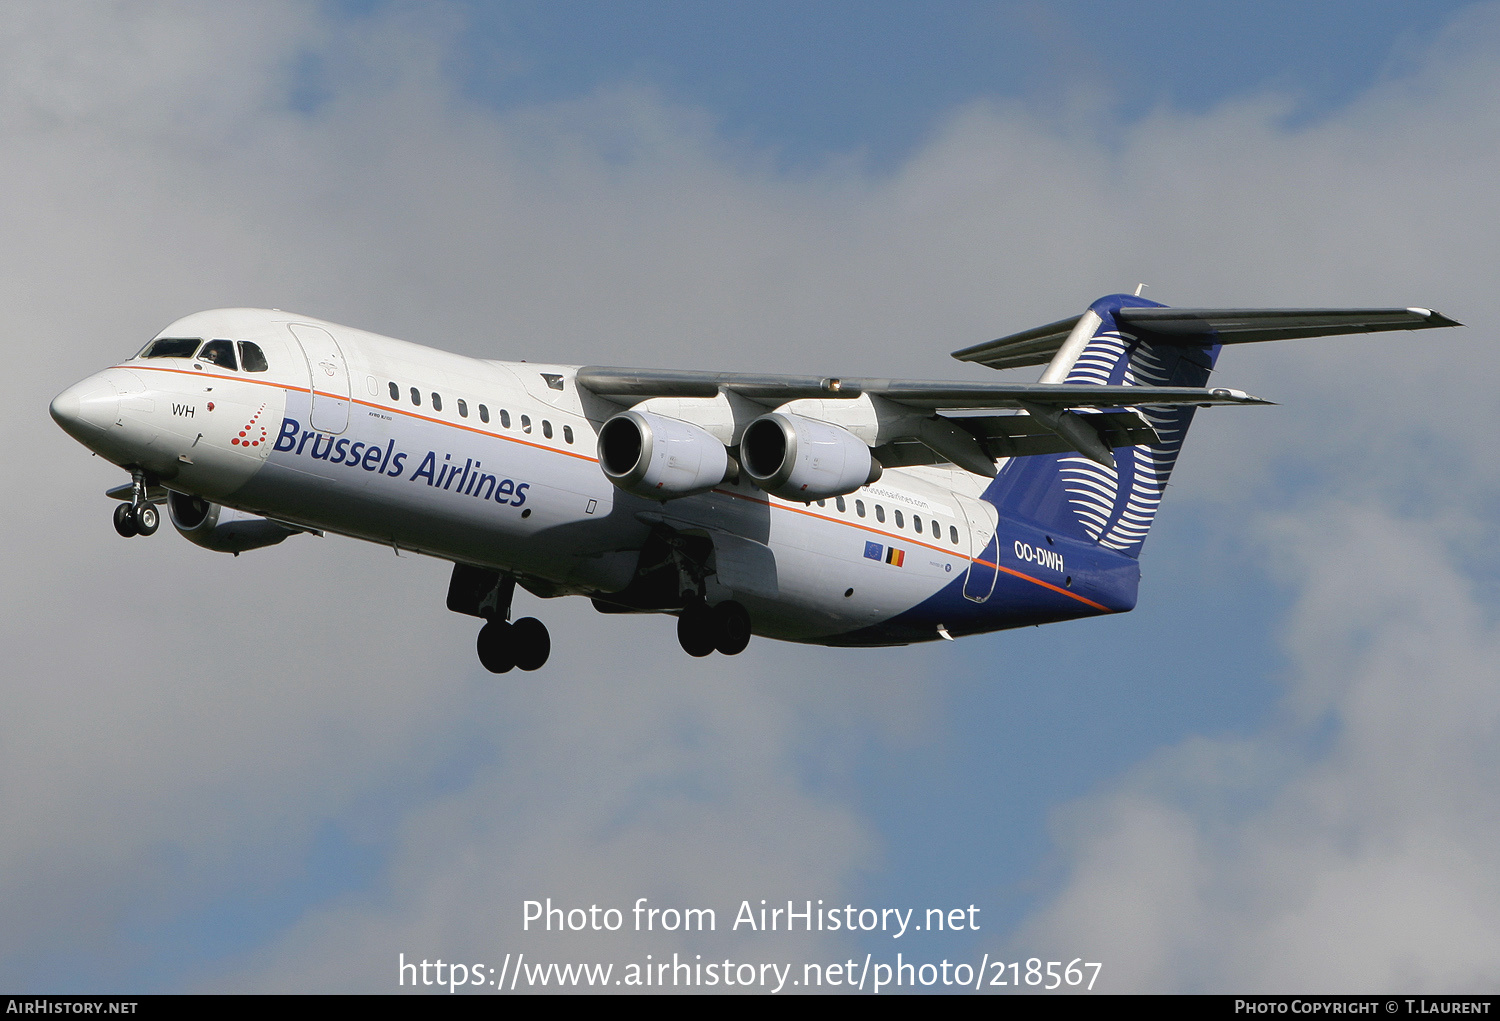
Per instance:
x=465, y=480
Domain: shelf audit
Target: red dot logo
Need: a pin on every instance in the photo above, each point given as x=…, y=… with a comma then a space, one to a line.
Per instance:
x=243, y=440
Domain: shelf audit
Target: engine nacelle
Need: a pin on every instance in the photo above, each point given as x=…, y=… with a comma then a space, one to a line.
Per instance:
x=661, y=458
x=223, y=529
x=799, y=458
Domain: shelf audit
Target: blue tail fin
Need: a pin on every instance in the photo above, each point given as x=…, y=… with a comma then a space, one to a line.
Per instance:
x=1071, y=495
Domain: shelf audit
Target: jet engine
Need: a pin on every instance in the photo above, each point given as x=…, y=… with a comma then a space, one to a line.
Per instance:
x=222, y=528
x=799, y=458
x=661, y=458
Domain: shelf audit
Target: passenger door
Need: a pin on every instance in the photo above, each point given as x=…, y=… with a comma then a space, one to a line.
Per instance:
x=328, y=377
x=984, y=551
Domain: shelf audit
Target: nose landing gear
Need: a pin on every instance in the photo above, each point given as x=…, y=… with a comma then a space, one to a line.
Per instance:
x=701, y=629
x=125, y=522
x=138, y=515
x=147, y=518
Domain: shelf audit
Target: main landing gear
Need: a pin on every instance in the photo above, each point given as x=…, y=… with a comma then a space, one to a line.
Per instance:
x=503, y=645
x=138, y=515
x=701, y=629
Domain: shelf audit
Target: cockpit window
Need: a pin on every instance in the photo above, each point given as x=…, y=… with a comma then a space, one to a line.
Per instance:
x=220, y=353
x=171, y=347
x=252, y=357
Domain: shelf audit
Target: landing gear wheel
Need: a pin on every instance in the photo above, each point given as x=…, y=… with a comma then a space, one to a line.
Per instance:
x=695, y=629
x=125, y=522
x=497, y=650
x=731, y=628
x=531, y=641
x=147, y=518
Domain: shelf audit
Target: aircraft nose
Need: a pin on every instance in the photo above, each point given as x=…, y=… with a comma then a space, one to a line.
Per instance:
x=87, y=409
x=65, y=407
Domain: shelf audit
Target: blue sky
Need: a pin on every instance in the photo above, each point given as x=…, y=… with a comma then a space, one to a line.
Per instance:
x=811, y=81
x=1208, y=793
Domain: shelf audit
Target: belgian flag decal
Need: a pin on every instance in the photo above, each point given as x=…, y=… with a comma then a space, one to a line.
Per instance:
x=895, y=556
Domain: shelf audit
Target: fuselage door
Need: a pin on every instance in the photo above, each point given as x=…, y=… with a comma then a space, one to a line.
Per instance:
x=328, y=377
x=984, y=550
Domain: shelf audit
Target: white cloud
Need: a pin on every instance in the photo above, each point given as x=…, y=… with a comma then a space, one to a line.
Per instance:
x=1347, y=847
x=181, y=726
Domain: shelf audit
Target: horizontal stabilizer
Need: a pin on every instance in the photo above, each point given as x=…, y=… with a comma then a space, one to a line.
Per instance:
x=1033, y=347
x=1247, y=325
x=1204, y=326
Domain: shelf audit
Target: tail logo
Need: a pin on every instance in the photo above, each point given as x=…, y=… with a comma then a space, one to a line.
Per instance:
x=1094, y=491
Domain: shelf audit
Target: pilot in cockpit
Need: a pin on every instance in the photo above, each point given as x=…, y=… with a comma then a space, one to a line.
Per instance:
x=214, y=352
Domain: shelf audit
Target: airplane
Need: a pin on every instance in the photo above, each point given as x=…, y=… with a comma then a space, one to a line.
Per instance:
x=837, y=511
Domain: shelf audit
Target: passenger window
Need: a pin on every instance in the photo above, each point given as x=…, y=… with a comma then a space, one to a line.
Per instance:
x=838, y=502
x=880, y=513
x=526, y=423
x=416, y=397
x=484, y=414
x=505, y=418
x=822, y=503
x=169, y=347
x=953, y=534
x=916, y=522
x=546, y=428
x=395, y=392
x=437, y=401
x=899, y=522
x=252, y=357
x=859, y=507
x=220, y=353
x=463, y=409
x=567, y=434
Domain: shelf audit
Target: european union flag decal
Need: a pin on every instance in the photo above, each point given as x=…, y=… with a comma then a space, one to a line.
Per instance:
x=873, y=550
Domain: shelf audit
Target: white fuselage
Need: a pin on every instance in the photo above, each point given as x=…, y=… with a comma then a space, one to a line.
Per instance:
x=494, y=464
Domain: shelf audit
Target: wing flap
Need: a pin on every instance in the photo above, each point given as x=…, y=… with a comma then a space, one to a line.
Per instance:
x=1019, y=436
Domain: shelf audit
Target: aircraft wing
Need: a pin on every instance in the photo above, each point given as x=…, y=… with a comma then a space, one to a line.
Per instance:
x=629, y=386
x=1019, y=436
x=1047, y=406
x=1204, y=326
